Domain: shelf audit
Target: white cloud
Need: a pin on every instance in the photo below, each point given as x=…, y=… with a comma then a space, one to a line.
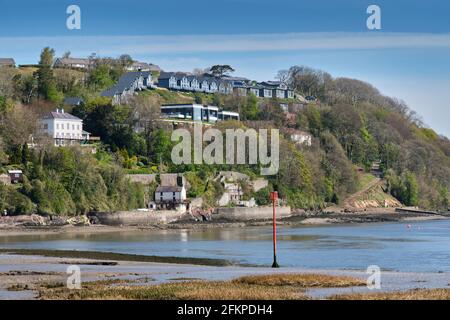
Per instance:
x=151, y=45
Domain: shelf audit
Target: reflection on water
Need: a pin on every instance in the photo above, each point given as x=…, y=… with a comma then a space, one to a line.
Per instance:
x=425, y=246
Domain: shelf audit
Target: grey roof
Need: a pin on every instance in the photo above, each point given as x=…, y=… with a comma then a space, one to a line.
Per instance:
x=155, y=67
x=167, y=75
x=168, y=189
x=61, y=115
x=273, y=84
x=145, y=65
x=125, y=82
x=111, y=92
x=68, y=61
x=73, y=101
x=235, y=78
x=7, y=61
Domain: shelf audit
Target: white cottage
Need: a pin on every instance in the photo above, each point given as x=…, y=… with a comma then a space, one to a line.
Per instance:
x=171, y=197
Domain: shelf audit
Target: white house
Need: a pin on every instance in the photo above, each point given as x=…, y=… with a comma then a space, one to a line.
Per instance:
x=171, y=197
x=79, y=63
x=171, y=193
x=64, y=128
x=143, y=66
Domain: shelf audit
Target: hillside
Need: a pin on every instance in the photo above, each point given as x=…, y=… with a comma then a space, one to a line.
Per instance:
x=352, y=125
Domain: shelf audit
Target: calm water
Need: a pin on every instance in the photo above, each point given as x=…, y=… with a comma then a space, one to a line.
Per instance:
x=424, y=246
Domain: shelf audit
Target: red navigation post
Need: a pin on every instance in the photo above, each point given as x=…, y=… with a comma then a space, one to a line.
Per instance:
x=274, y=198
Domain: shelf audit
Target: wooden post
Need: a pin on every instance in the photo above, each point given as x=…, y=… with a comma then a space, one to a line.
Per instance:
x=274, y=198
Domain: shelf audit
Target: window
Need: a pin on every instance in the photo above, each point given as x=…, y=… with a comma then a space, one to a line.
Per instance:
x=45, y=126
x=57, y=126
x=68, y=126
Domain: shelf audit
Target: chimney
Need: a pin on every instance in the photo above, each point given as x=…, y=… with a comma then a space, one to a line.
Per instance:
x=57, y=110
x=62, y=110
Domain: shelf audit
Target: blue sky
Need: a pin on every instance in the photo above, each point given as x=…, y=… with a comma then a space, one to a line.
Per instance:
x=407, y=59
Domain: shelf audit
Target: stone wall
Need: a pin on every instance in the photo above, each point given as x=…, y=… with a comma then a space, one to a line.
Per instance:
x=246, y=214
x=130, y=218
x=142, y=178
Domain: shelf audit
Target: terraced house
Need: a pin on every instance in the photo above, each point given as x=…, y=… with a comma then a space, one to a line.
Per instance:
x=128, y=85
x=188, y=82
x=225, y=85
x=279, y=89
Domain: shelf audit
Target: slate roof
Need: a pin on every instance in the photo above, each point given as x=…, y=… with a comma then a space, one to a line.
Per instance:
x=146, y=66
x=273, y=84
x=73, y=101
x=7, y=62
x=68, y=61
x=125, y=82
x=167, y=75
x=168, y=189
x=61, y=115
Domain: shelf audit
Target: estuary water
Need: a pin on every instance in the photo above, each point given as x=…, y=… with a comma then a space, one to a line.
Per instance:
x=407, y=246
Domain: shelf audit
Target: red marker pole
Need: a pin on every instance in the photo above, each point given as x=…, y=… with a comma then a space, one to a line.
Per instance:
x=274, y=197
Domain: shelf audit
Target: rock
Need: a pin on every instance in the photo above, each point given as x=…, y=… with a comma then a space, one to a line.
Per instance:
x=24, y=220
x=79, y=221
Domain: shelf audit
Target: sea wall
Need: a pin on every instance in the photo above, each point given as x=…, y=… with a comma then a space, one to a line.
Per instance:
x=133, y=218
x=246, y=214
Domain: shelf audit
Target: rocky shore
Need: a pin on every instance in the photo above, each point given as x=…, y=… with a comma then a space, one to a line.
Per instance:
x=35, y=224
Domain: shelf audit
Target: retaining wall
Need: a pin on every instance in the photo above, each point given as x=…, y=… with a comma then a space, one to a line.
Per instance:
x=245, y=214
x=131, y=218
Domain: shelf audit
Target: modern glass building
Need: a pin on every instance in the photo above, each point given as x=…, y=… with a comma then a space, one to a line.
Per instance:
x=192, y=112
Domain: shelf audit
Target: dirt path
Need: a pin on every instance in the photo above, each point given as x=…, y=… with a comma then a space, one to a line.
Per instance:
x=355, y=196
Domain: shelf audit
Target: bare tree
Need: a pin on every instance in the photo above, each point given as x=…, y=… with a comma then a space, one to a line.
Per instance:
x=3, y=155
x=19, y=125
x=144, y=112
x=6, y=83
x=283, y=76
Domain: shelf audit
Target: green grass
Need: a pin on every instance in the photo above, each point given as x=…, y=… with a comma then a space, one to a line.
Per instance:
x=168, y=97
x=263, y=287
x=415, y=294
x=364, y=180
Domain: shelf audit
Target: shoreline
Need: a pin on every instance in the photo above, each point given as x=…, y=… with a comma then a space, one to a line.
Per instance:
x=296, y=220
x=25, y=276
x=111, y=256
x=26, y=272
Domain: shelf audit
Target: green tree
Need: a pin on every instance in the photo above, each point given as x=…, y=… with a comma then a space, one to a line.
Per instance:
x=220, y=70
x=250, y=110
x=100, y=78
x=47, y=57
